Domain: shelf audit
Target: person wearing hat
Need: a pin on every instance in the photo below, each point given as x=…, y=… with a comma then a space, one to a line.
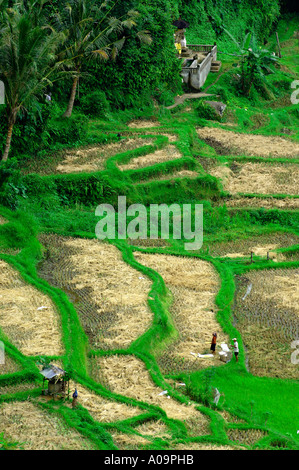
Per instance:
x=236, y=348
x=213, y=343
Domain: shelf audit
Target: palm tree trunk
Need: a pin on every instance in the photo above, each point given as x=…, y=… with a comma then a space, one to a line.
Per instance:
x=8, y=139
x=70, y=106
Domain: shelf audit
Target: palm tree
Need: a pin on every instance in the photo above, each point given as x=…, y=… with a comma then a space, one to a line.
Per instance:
x=92, y=33
x=27, y=62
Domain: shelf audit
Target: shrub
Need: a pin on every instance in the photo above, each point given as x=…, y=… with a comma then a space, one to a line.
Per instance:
x=66, y=130
x=11, y=184
x=95, y=103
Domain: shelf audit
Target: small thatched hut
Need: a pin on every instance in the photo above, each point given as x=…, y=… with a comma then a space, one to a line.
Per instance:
x=58, y=381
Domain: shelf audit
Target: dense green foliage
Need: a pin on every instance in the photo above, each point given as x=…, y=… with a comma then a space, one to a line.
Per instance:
x=140, y=72
x=208, y=19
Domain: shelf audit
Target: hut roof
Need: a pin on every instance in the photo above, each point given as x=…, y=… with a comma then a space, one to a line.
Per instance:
x=52, y=371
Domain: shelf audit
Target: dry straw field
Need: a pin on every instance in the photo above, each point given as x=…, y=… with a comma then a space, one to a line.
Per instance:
x=194, y=285
x=259, y=178
x=259, y=245
x=268, y=320
x=94, y=158
x=102, y=409
x=109, y=295
x=127, y=375
x=28, y=317
x=249, y=144
x=267, y=203
x=159, y=156
x=34, y=429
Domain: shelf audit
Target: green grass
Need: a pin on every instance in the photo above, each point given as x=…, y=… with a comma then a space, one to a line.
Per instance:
x=273, y=396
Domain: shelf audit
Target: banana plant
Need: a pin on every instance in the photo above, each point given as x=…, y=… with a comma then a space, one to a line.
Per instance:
x=255, y=62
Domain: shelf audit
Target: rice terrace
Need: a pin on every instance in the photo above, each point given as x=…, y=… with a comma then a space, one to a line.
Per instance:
x=120, y=332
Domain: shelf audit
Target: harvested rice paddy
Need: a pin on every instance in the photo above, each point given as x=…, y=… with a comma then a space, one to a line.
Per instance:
x=232, y=143
x=258, y=178
x=159, y=156
x=267, y=203
x=34, y=429
x=101, y=409
x=195, y=446
x=28, y=317
x=10, y=366
x=94, y=158
x=109, y=295
x=130, y=441
x=194, y=285
x=267, y=315
x=127, y=375
x=259, y=245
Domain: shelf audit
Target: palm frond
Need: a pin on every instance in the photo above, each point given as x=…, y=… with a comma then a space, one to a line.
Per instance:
x=101, y=53
x=144, y=37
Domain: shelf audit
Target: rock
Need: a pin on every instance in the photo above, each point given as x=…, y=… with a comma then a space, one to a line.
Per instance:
x=218, y=106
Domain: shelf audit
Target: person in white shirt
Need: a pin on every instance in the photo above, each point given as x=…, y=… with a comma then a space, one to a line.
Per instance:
x=236, y=348
x=184, y=43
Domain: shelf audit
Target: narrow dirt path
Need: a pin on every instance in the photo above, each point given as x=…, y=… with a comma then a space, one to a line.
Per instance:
x=187, y=96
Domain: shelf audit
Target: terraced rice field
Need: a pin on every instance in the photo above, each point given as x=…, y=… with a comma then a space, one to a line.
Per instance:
x=259, y=245
x=232, y=143
x=159, y=156
x=268, y=319
x=194, y=285
x=128, y=376
x=258, y=178
x=94, y=158
x=130, y=384
x=103, y=410
x=34, y=429
x=109, y=295
x=28, y=317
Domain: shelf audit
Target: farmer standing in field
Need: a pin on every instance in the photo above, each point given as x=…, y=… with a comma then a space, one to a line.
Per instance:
x=236, y=348
x=75, y=398
x=213, y=344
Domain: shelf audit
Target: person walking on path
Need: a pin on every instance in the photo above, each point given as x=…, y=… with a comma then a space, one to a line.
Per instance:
x=75, y=398
x=213, y=343
x=236, y=348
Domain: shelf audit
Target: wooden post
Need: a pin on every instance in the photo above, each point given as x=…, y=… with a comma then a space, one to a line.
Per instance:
x=278, y=44
x=251, y=257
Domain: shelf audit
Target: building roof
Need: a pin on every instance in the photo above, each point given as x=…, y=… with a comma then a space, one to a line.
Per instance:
x=52, y=371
